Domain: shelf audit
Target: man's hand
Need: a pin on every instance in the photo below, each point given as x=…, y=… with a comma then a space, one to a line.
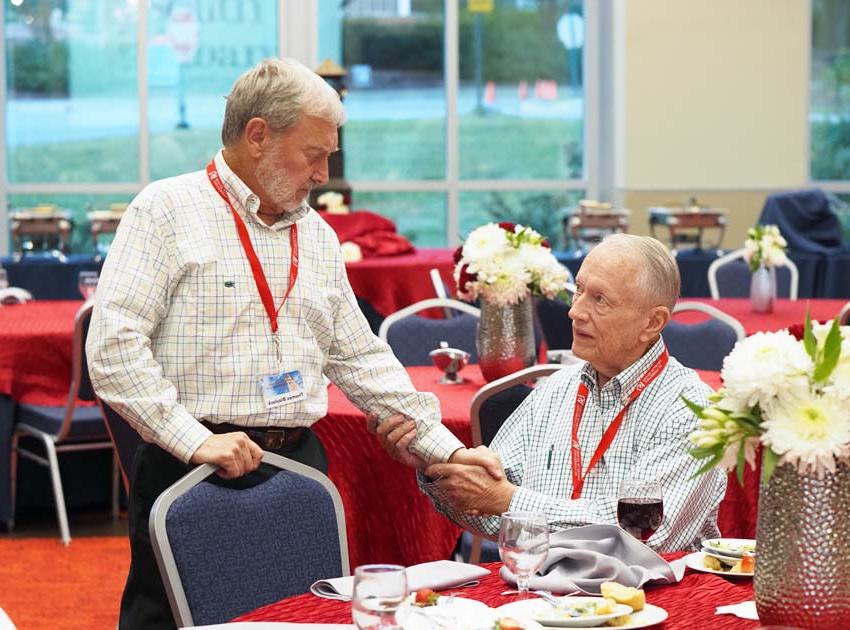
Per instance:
x=396, y=433
x=480, y=456
x=235, y=454
x=472, y=489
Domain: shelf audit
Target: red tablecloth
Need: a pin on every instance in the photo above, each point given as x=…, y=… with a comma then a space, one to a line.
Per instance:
x=785, y=313
x=393, y=282
x=690, y=603
x=35, y=351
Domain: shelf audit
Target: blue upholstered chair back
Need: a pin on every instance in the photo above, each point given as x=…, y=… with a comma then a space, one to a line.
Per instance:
x=556, y=325
x=237, y=550
x=413, y=337
x=733, y=280
x=125, y=439
x=700, y=346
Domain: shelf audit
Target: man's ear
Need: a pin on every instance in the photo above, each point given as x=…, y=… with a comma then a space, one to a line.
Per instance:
x=257, y=134
x=657, y=320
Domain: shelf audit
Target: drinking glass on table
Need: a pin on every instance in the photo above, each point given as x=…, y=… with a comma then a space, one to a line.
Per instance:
x=87, y=283
x=640, y=507
x=523, y=545
x=379, y=589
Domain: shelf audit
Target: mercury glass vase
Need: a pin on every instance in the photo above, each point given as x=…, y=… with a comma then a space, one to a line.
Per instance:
x=763, y=289
x=505, y=338
x=802, y=574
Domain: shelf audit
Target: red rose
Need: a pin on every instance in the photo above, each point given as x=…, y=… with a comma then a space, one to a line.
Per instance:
x=464, y=278
x=458, y=254
x=798, y=330
x=507, y=226
x=545, y=243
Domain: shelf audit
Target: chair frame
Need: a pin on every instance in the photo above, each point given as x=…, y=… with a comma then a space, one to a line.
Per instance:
x=440, y=290
x=444, y=303
x=714, y=312
x=54, y=443
x=844, y=315
x=162, y=545
x=494, y=387
x=739, y=253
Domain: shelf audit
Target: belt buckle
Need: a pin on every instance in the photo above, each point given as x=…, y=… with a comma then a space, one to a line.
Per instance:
x=275, y=439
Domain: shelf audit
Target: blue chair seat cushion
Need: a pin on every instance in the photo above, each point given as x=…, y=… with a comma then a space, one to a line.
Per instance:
x=489, y=548
x=86, y=425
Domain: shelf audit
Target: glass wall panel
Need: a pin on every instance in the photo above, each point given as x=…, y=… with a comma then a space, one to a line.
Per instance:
x=542, y=210
x=196, y=50
x=521, y=96
x=393, y=52
x=829, y=116
x=419, y=216
x=72, y=109
x=78, y=206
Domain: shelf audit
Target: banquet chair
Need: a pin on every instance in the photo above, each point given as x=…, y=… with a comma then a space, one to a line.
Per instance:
x=125, y=440
x=730, y=275
x=490, y=407
x=704, y=345
x=64, y=429
x=844, y=315
x=441, y=290
x=412, y=337
x=264, y=543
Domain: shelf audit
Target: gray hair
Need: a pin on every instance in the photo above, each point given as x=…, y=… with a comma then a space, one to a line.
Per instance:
x=279, y=91
x=659, y=277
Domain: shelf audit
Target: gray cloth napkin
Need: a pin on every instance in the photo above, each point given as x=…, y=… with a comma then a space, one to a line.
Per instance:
x=437, y=575
x=581, y=558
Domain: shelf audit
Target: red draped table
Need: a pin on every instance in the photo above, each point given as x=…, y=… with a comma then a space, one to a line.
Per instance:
x=785, y=313
x=691, y=603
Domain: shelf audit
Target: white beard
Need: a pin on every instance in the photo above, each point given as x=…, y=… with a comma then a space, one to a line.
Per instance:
x=277, y=186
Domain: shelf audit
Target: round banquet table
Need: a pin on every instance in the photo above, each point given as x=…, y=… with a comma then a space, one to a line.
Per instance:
x=785, y=313
x=691, y=603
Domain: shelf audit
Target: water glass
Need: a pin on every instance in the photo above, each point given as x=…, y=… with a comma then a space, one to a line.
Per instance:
x=640, y=507
x=523, y=545
x=379, y=589
x=87, y=283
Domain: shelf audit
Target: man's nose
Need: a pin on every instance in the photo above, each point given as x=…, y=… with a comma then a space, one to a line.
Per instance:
x=320, y=176
x=576, y=310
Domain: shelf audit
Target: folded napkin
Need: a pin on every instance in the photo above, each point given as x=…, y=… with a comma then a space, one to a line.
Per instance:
x=744, y=610
x=437, y=575
x=274, y=625
x=581, y=558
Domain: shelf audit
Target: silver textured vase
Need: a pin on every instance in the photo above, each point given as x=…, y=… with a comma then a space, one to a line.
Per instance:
x=505, y=338
x=763, y=289
x=803, y=552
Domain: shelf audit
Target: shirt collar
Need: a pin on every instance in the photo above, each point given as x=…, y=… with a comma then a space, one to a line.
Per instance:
x=628, y=379
x=244, y=199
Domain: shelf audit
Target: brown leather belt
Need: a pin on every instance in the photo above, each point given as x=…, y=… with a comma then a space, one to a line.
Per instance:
x=267, y=438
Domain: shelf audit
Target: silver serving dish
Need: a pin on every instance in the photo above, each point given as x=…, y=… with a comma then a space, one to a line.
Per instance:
x=450, y=361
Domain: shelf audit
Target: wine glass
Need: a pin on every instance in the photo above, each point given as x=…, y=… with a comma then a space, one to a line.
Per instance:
x=379, y=589
x=523, y=545
x=87, y=283
x=640, y=507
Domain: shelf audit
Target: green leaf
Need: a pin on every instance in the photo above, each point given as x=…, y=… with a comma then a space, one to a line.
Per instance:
x=711, y=463
x=742, y=460
x=693, y=407
x=769, y=459
x=828, y=359
x=809, y=341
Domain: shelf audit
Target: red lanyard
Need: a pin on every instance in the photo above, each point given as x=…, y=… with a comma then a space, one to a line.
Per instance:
x=611, y=432
x=256, y=267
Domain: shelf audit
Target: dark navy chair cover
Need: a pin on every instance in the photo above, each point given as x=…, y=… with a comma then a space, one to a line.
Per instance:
x=701, y=346
x=805, y=220
x=412, y=338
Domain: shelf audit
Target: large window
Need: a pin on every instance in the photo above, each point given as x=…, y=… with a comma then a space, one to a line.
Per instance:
x=481, y=113
x=455, y=116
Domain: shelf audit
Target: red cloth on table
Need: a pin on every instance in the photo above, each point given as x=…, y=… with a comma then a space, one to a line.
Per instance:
x=374, y=234
x=785, y=313
x=690, y=603
x=383, y=243
x=391, y=283
x=35, y=351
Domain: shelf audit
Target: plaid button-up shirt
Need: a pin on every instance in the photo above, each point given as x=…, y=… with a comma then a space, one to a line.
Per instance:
x=179, y=333
x=652, y=443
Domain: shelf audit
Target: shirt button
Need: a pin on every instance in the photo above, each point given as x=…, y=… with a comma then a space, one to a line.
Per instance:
x=252, y=203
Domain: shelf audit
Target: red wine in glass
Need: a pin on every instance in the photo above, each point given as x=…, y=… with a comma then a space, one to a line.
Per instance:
x=640, y=516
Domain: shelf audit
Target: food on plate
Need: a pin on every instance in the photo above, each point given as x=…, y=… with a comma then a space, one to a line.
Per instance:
x=507, y=623
x=720, y=547
x=425, y=597
x=582, y=608
x=619, y=621
x=634, y=597
x=710, y=562
x=746, y=564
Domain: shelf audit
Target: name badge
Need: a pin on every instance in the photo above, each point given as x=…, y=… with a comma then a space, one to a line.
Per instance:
x=284, y=387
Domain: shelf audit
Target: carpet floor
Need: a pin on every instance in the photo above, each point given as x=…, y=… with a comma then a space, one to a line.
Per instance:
x=44, y=584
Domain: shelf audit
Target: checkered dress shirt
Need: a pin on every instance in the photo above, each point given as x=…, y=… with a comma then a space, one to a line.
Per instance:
x=179, y=333
x=651, y=444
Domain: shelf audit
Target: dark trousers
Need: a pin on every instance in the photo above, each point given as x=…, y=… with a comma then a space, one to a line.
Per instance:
x=144, y=604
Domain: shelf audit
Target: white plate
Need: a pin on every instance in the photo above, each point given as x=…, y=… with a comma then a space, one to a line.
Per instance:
x=729, y=547
x=727, y=560
x=457, y=613
x=538, y=610
x=695, y=562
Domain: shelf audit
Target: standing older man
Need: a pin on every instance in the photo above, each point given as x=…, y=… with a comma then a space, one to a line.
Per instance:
x=223, y=302
x=618, y=416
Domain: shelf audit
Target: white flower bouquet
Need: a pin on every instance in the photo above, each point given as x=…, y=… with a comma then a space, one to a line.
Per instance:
x=765, y=246
x=791, y=396
x=504, y=263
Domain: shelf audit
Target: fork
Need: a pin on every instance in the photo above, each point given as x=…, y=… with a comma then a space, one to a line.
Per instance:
x=546, y=595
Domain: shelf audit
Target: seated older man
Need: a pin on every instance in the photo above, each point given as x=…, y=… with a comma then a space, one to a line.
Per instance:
x=618, y=416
